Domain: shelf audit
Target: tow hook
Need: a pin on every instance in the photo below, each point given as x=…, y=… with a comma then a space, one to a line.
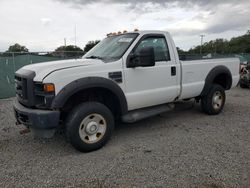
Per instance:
x=24, y=131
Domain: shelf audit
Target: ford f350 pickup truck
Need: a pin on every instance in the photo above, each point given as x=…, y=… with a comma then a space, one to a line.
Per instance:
x=126, y=77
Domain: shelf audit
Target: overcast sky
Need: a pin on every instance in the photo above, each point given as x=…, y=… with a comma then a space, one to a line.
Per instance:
x=42, y=25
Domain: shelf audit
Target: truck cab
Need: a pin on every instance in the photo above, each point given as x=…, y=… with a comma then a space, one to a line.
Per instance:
x=126, y=77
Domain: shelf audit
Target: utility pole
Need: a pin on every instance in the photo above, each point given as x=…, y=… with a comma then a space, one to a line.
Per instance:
x=202, y=36
x=65, y=44
x=75, y=35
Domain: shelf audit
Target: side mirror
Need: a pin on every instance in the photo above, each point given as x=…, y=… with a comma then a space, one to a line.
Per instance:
x=146, y=58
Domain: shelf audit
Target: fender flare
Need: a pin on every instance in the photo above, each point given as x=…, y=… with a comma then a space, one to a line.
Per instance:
x=213, y=74
x=88, y=83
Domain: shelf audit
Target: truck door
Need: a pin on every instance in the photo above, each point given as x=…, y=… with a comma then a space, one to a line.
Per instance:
x=148, y=86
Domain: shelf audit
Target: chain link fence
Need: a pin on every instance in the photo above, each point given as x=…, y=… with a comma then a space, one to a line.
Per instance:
x=11, y=62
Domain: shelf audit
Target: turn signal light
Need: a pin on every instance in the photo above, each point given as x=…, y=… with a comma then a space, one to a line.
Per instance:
x=49, y=87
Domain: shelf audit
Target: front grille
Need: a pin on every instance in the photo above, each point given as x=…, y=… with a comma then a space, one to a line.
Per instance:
x=30, y=93
x=21, y=87
x=25, y=87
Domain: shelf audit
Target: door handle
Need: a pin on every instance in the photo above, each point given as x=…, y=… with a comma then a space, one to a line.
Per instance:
x=173, y=71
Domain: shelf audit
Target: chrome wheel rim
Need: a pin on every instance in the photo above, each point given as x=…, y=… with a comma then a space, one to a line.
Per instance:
x=217, y=100
x=92, y=128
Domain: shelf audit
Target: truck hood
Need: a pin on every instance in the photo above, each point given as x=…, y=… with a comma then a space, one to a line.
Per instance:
x=44, y=69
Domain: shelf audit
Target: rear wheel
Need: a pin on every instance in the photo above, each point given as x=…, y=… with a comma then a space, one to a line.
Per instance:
x=89, y=126
x=214, y=101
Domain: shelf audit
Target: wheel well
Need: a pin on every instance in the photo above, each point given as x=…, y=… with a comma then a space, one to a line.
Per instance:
x=97, y=94
x=220, y=75
x=223, y=80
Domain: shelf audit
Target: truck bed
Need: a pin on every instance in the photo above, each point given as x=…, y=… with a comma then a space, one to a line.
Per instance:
x=194, y=74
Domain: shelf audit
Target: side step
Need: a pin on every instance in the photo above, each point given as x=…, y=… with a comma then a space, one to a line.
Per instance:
x=144, y=113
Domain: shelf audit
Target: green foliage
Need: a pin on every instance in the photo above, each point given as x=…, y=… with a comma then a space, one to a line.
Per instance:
x=180, y=51
x=69, y=48
x=68, y=51
x=90, y=45
x=239, y=44
x=17, y=48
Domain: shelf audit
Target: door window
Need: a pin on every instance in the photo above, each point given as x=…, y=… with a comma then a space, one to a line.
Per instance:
x=160, y=47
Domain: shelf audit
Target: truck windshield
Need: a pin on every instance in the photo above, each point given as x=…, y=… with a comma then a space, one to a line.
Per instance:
x=111, y=48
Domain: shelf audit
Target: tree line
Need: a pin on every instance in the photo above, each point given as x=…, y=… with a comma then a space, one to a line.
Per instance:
x=66, y=51
x=240, y=44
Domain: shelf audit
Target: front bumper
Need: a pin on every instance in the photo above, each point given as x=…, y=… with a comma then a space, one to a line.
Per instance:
x=35, y=118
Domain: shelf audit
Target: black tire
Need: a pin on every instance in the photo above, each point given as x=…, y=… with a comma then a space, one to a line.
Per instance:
x=207, y=102
x=76, y=119
x=243, y=85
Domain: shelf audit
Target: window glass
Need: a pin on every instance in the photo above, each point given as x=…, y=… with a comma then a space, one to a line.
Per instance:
x=160, y=47
x=112, y=48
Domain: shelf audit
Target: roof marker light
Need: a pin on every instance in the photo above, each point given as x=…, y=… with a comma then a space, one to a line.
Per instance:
x=109, y=34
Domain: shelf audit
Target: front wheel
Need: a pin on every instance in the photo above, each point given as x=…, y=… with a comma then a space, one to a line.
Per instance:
x=89, y=126
x=213, y=102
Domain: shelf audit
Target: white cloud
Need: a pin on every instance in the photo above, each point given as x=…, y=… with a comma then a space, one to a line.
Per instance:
x=43, y=24
x=46, y=21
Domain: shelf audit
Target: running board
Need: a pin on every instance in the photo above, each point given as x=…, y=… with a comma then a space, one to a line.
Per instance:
x=144, y=113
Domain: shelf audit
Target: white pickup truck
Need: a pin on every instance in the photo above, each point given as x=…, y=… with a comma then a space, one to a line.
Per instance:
x=126, y=77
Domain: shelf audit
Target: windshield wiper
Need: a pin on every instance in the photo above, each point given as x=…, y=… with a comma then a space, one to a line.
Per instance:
x=94, y=57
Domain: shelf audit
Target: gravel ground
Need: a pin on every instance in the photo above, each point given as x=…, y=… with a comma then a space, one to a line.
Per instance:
x=183, y=148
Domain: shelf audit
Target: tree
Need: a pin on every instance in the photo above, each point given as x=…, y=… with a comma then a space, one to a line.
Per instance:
x=180, y=51
x=90, y=45
x=68, y=51
x=17, y=48
x=240, y=44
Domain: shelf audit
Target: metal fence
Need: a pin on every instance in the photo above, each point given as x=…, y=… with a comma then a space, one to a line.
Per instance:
x=11, y=62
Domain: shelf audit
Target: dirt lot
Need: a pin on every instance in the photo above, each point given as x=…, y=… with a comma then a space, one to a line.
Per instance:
x=183, y=148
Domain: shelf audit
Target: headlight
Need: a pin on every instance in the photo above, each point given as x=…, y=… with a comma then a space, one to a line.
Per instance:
x=44, y=94
x=41, y=88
